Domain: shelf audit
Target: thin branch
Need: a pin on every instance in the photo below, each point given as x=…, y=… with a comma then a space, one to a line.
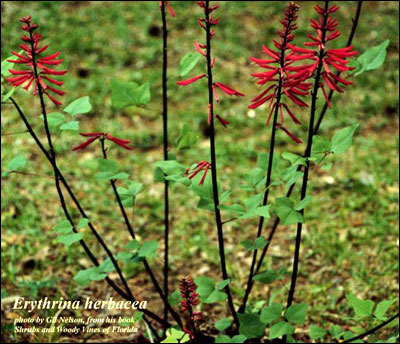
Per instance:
x=372, y=330
x=165, y=151
x=218, y=220
x=133, y=236
x=270, y=164
x=307, y=155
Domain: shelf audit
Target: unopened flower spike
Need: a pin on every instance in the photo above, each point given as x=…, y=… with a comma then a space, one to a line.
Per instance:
x=39, y=70
x=278, y=69
x=334, y=61
x=101, y=135
x=189, y=300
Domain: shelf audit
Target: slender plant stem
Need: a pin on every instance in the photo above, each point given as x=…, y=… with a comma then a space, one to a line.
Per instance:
x=316, y=129
x=314, y=97
x=125, y=295
x=372, y=330
x=349, y=41
x=165, y=151
x=218, y=220
x=132, y=233
x=269, y=169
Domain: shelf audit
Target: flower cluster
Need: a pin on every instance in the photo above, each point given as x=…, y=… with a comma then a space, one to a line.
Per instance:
x=331, y=59
x=193, y=171
x=105, y=136
x=205, y=23
x=190, y=299
x=281, y=76
x=39, y=71
x=171, y=11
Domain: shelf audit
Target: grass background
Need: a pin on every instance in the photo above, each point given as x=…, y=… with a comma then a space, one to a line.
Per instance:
x=350, y=241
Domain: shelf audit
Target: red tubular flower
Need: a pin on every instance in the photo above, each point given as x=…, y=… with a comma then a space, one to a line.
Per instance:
x=331, y=59
x=288, y=133
x=38, y=67
x=101, y=135
x=202, y=165
x=280, y=71
x=228, y=90
x=202, y=49
x=190, y=299
x=191, y=80
x=170, y=10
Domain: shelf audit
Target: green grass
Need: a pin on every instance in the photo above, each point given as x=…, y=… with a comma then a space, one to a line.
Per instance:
x=350, y=238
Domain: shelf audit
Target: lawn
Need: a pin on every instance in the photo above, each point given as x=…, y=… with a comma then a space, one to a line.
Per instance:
x=350, y=240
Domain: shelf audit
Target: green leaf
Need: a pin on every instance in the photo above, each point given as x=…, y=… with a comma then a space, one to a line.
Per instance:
x=79, y=106
x=382, y=307
x=124, y=94
x=271, y=313
x=342, y=140
x=373, y=58
x=106, y=266
x=286, y=212
x=294, y=159
x=223, y=284
x=69, y=239
x=109, y=170
x=187, y=137
x=5, y=66
x=316, y=332
x=188, y=62
x=16, y=164
x=281, y=329
x=133, y=245
x=176, y=336
x=70, y=126
x=362, y=308
x=216, y=296
x=320, y=145
x=83, y=222
x=253, y=202
x=250, y=325
x=233, y=208
x=223, y=324
x=148, y=249
x=63, y=227
x=174, y=298
x=128, y=195
x=170, y=167
x=55, y=119
x=222, y=338
x=303, y=203
x=266, y=277
x=205, y=286
x=296, y=313
x=336, y=331
x=263, y=211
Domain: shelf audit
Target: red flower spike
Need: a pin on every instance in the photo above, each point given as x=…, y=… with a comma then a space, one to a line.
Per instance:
x=95, y=136
x=31, y=75
x=279, y=68
x=190, y=81
x=190, y=299
x=334, y=61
